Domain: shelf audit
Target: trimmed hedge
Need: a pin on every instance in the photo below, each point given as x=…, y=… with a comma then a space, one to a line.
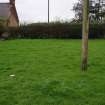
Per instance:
x=1, y=30
x=55, y=30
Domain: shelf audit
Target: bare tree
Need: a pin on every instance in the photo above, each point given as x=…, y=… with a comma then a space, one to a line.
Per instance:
x=96, y=10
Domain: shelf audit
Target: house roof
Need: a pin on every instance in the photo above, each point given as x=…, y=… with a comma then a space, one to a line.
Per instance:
x=4, y=10
x=14, y=11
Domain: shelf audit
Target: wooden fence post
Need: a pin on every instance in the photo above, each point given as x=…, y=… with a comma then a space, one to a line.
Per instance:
x=85, y=32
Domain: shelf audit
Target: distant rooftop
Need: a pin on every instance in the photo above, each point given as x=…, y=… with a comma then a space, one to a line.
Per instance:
x=4, y=10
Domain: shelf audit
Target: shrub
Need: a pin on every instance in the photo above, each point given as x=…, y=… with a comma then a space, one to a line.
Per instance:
x=1, y=28
x=55, y=30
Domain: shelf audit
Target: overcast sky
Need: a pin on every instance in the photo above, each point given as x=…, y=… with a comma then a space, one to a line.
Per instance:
x=36, y=10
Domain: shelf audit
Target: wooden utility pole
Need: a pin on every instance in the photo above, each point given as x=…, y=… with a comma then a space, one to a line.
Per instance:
x=85, y=33
x=48, y=11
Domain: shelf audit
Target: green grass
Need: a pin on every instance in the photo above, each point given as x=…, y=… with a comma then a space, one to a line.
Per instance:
x=47, y=72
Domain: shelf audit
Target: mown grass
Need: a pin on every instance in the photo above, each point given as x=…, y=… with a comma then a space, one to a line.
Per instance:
x=47, y=72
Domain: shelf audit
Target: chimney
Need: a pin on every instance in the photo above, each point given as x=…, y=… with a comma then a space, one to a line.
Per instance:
x=12, y=2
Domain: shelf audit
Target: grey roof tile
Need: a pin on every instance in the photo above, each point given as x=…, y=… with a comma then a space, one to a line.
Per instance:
x=4, y=10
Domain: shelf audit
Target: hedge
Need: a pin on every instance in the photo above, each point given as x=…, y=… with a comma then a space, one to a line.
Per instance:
x=55, y=30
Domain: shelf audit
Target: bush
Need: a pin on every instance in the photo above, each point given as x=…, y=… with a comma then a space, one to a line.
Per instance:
x=1, y=28
x=44, y=30
x=55, y=30
x=4, y=34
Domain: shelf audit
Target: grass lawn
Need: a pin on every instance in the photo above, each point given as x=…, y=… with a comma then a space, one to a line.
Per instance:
x=47, y=72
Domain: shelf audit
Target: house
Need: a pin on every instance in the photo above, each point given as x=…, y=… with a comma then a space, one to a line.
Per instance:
x=8, y=14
